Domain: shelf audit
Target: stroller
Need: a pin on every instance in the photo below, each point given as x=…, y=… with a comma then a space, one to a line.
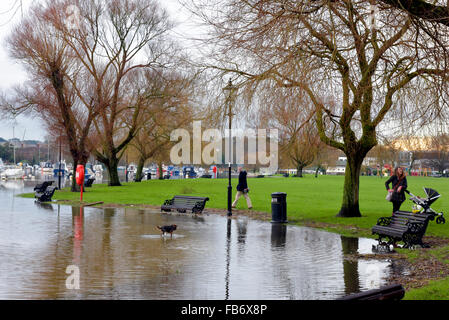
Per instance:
x=423, y=205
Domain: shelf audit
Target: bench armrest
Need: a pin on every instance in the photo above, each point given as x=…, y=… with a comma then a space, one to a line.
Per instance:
x=168, y=202
x=384, y=221
x=199, y=206
x=415, y=227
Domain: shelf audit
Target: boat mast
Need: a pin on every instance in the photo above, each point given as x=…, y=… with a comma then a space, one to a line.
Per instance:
x=13, y=141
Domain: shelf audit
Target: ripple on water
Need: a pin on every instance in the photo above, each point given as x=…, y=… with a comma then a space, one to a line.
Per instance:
x=159, y=237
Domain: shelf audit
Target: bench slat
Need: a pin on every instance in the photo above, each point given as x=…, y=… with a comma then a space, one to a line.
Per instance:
x=184, y=203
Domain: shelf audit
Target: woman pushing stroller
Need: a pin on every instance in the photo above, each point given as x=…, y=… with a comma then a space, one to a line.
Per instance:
x=399, y=185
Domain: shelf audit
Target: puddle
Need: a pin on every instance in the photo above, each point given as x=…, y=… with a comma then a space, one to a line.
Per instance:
x=120, y=255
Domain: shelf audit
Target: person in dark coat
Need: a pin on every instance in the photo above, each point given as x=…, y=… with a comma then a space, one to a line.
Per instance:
x=399, y=185
x=242, y=189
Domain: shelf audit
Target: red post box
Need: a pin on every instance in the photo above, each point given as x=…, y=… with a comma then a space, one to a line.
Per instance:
x=80, y=178
x=80, y=175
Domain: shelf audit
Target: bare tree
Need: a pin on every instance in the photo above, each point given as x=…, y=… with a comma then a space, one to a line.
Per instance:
x=50, y=92
x=114, y=39
x=338, y=55
x=289, y=111
x=167, y=108
x=439, y=145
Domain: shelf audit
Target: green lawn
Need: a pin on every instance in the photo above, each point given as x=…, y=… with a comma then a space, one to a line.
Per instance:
x=435, y=290
x=308, y=199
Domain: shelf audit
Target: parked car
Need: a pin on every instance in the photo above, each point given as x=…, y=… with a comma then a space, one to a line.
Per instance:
x=189, y=173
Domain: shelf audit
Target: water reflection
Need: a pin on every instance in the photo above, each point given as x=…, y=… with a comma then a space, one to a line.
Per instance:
x=44, y=205
x=121, y=255
x=78, y=233
x=278, y=235
x=350, y=267
x=242, y=225
x=228, y=256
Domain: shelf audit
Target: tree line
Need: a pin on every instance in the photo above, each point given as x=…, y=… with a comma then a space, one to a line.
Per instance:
x=103, y=80
x=326, y=73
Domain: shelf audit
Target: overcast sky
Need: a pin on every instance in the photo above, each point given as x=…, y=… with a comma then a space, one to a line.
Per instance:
x=12, y=73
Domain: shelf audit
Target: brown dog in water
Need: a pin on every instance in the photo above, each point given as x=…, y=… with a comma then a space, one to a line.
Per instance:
x=168, y=229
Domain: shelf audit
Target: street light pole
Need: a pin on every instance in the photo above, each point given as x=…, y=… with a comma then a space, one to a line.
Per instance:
x=230, y=89
x=126, y=167
x=60, y=160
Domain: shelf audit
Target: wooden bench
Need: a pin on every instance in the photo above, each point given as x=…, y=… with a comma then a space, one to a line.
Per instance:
x=46, y=195
x=392, y=292
x=41, y=187
x=184, y=203
x=402, y=226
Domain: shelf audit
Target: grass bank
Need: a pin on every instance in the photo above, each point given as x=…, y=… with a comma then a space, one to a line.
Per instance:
x=434, y=290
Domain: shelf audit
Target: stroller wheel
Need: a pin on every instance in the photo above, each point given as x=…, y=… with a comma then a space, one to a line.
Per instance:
x=441, y=220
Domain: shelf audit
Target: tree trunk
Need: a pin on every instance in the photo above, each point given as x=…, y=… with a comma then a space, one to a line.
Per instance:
x=350, y=205
x=299, y=173
x=139, y=173
x=75, y=187
x=317, y=170
x=77, y=160
x=112, y=167
x=161, y=171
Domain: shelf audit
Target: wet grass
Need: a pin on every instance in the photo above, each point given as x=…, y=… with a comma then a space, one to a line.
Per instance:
x=435, y=290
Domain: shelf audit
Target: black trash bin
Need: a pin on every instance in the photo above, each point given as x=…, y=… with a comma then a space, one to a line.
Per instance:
x=149, y=175
x=279, y=207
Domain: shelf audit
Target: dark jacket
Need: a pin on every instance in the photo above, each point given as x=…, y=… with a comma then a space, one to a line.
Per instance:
x=243, y=184
x=397, y=196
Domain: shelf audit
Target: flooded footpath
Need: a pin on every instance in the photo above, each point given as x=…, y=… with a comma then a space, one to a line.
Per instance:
x=47, y=249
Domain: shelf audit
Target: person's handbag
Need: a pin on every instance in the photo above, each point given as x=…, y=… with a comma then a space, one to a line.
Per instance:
x=390, y=193
x=389, y=196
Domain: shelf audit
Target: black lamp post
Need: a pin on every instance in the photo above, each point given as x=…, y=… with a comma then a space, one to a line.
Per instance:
x=60, y=160
x=126, y=167
x=230, y=91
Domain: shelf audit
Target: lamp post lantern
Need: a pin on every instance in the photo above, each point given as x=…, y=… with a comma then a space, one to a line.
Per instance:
x=230, y=91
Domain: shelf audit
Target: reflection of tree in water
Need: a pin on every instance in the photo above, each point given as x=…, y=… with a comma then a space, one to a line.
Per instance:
x=350, y=268
x=107, y=250
x=283, y=272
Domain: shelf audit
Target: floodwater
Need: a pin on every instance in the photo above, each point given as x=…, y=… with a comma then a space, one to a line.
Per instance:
x=120, y=255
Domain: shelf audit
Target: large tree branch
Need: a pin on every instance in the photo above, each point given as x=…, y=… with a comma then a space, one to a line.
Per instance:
x=422, y=9
x=393, y=89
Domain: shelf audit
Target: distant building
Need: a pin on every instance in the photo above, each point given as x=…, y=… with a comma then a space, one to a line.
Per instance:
x=370, y=162
x=15, y=142
x=339, y=168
